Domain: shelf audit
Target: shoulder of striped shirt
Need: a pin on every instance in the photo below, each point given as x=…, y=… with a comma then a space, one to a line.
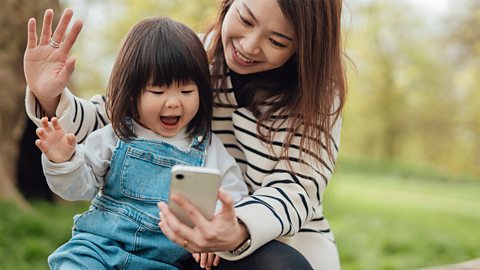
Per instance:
x=208, y=39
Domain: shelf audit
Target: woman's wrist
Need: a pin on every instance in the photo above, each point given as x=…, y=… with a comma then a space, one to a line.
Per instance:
x=241, y=238
x=49, y=105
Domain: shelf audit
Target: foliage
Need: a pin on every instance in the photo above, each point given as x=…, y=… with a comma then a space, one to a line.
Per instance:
x=413, y=94
x=104, y=31
x=463, y=45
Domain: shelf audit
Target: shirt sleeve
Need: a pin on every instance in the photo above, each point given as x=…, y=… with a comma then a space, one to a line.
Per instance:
x=232, y=180
x=81, y=177
x=76, y=115
x=286, y=199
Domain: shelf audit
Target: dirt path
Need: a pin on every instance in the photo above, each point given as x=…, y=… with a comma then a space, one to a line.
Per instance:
x=468, y=265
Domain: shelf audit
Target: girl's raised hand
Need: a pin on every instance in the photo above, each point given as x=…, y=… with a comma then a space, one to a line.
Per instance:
x=46, y=63
x=54, y=142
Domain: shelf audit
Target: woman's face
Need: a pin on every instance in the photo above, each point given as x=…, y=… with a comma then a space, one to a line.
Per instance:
x=256, y=36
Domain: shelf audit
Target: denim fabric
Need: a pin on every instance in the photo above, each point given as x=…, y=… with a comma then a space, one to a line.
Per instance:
x=120, y=230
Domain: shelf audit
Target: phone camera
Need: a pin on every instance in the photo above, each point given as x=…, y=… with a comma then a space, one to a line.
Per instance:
x=180, y=176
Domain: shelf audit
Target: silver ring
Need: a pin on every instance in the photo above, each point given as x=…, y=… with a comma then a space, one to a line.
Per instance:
x=54, y=44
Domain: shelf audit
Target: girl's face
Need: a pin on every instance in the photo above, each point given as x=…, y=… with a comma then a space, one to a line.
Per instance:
x=167, y=110
x=256, y=36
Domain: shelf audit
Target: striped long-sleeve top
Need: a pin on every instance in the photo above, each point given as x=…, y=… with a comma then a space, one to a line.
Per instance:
x=285, y=204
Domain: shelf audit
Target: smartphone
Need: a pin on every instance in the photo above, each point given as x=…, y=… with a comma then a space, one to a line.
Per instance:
x=199, y=185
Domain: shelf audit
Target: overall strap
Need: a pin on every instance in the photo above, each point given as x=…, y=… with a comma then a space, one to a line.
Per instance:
x=201, y=142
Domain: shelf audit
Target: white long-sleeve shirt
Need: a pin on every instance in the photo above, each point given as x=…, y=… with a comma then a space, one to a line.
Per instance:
x=81, y=177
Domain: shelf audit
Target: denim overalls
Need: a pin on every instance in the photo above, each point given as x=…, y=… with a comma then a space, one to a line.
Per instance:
x=120, y=229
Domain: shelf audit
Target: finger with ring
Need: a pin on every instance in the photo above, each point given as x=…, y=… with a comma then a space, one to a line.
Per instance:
x=54, y=44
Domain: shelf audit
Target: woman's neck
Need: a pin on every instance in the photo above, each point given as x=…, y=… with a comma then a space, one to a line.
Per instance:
x=244, y=95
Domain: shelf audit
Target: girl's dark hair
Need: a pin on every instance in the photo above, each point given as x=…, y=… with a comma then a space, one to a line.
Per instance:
x=161, y=52
x=310, y=87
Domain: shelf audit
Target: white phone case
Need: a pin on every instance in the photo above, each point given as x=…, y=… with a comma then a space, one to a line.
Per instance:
x=199, y=185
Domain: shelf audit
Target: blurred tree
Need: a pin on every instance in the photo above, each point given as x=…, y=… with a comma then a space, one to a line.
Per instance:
x=14, y=15
x=103, y=32
x=401, y=88
x=463, y=45
x=414, y=95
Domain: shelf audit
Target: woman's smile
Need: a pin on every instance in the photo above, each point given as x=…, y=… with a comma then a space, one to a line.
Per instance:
x=241, y=58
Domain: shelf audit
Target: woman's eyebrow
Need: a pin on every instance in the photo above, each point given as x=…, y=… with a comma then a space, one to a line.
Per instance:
x=273, y=32
x=250, y=12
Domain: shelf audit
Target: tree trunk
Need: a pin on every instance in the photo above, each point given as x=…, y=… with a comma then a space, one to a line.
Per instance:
x=14, y=16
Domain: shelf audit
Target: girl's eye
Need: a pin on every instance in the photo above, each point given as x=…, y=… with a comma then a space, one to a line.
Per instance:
x=277, y=44
x=156, y=92
x=187, y=92
x=243, y=20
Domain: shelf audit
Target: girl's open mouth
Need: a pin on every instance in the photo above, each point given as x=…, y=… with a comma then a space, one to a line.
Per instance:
x=170, y=122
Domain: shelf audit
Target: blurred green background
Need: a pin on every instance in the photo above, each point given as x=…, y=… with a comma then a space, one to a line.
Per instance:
x=406, y=191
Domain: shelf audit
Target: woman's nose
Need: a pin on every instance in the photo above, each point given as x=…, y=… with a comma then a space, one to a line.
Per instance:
x=250, y=44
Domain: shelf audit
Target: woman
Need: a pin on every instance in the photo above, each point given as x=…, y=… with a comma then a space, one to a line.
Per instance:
x=279, y=92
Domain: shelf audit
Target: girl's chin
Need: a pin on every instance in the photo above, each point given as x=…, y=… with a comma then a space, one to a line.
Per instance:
x=170, y=131
x=167, y=133
x=167, y=130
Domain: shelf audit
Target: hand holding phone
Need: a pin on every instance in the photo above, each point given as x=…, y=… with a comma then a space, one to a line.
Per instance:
x=199, y=185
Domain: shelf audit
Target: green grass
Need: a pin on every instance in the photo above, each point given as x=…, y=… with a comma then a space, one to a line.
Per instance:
x=383, y=216
x=28, y=237
x=392, y=221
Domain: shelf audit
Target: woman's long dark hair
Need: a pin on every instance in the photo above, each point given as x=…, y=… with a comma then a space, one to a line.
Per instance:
x=161, y=52
x=310, y=87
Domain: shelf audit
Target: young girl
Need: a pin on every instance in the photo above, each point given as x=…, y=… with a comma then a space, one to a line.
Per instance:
x=280, y=90
x=159, y=103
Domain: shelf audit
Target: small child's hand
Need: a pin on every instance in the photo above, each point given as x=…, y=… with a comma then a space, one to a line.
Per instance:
x=206, y=260
x=55, y=143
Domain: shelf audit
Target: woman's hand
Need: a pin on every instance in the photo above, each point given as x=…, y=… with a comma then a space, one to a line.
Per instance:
x=222, y=233
x=54, y=142
x=46, y=63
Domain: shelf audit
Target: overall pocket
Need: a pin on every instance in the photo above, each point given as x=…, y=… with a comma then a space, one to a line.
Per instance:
x=146, y=176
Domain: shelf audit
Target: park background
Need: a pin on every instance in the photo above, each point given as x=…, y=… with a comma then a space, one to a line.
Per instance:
x=406, y=191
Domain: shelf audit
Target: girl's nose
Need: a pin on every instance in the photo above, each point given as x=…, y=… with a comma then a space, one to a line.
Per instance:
x=172, y=101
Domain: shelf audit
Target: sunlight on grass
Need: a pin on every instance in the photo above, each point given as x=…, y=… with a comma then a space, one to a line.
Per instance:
x=391, y=222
